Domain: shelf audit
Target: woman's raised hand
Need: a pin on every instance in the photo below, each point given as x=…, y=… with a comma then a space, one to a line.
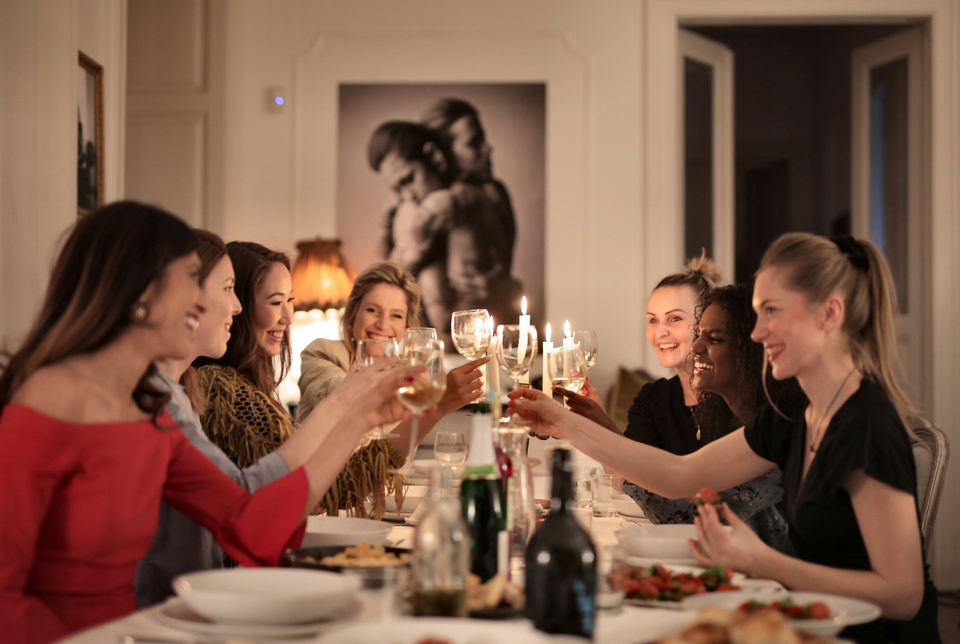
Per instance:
x=588, y=406
x=463, y=386
x=737, y=548
x=546, y=415
x=372, y=392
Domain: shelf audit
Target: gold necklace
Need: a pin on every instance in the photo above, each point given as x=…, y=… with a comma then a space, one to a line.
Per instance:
x=814, y=446
x=695, y=421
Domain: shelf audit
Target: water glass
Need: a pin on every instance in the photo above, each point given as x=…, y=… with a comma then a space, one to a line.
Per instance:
x=604, y=487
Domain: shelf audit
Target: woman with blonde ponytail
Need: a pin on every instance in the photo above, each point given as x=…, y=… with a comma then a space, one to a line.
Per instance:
x=825, y=317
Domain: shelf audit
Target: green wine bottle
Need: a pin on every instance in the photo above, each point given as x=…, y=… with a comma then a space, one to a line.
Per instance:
x=483, y=502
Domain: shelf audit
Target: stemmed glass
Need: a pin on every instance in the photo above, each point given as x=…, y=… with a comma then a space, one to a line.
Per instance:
x=415, y=333
x=588, y=344
x=567, y=368
x=450, y=449
x=470, y=330
x=425, y=390
x=508, y=350
x=369, y=351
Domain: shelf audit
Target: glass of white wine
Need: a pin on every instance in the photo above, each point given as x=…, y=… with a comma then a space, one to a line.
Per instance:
x=425, y=390
x=516, y=349
x=414, y=333
x=588, y=344
x=567, y=368
x=471, y=330
x=369, y=352
x=450, y=449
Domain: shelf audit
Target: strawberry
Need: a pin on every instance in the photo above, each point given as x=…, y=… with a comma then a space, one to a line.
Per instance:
x=707, y=496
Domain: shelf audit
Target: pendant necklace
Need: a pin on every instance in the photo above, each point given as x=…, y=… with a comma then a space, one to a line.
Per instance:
x=815, y=445
x=695, y=421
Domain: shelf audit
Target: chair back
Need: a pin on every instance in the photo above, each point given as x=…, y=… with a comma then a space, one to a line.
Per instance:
x=931, y=451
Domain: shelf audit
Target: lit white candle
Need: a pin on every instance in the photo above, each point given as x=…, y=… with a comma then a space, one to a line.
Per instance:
x=493, y=374
x=567, y=334
x=547, y=345
x=522, y=345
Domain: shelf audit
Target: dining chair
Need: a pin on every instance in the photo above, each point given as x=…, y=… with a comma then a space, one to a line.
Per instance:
x=931, y=451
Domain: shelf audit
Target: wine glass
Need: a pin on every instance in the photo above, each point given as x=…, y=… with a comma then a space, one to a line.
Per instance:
x=450, y=449
x=511, y=340
x=567, y=368
x=426, y=389
x=417, y=332
x=588, y=344
x=470, y=330
x=369, y=352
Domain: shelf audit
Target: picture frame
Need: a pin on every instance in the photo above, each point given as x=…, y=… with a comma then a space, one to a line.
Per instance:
x=90, y=175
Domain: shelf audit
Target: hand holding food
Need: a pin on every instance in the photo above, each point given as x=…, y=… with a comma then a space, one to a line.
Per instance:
x=707, y=496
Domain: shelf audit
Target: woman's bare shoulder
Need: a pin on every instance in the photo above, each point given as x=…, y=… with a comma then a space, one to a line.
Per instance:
x=58, y=392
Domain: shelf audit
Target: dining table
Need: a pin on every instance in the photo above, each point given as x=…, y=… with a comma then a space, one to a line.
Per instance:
x=627, y=624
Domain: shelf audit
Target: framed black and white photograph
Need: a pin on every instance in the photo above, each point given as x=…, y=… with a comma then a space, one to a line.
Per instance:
x=447, y=179
x=89, y=135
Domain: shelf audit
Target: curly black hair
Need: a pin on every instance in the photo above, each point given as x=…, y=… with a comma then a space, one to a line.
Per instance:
x=712, y=412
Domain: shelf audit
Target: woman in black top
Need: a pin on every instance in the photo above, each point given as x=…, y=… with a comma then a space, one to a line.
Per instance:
x=826, y=316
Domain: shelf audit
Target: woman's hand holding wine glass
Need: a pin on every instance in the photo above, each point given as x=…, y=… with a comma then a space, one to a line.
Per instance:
x=369, y=352
x=471, y=330
x=424, y=391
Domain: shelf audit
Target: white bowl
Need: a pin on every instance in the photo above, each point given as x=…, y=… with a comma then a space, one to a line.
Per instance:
x=667, y=541
x=266, y=595
x=625, y=505
x=343, y=531
x=844, y=611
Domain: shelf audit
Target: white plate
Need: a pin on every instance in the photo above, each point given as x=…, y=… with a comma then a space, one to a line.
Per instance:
x=178, y=615
x=343, y=531
x=845, y=611
x=455, y=631
x=265, y=595
x=411, y=500
x=420, y=475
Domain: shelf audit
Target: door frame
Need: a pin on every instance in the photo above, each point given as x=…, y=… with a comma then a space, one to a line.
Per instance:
x=662, y=244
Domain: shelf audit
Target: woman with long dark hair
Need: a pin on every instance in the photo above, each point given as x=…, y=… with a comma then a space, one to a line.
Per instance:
x=86, y=448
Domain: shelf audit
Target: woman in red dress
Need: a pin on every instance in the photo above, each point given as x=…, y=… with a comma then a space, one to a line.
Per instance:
x=87, y=451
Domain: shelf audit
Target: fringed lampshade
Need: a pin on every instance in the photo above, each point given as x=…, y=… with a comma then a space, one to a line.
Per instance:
x=322, y=278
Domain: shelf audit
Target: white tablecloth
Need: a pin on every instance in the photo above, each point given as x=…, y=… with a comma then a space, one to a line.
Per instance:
x=631, y=625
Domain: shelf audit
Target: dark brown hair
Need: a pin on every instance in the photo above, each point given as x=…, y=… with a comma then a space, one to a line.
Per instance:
x=251, y=263
x=211, y=249
x=109, y=259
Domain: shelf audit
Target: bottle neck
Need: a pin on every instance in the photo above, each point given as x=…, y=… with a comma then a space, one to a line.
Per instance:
x=481, y=459
x=561, y=492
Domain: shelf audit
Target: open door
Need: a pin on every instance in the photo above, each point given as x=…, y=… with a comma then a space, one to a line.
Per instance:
x=887, y=190
x=706, y=95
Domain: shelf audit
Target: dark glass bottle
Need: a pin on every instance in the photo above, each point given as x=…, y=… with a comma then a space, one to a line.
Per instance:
x=561, y=564
x=482, y=498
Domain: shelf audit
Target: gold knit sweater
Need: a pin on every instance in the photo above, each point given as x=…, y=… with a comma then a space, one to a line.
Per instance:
x=246, y=425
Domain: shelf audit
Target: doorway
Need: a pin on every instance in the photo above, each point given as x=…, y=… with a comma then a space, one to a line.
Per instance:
x=826, y=137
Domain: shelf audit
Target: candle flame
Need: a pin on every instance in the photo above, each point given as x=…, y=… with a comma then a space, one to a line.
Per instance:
x=523, y=305
x=566, y=329
x=548, y=332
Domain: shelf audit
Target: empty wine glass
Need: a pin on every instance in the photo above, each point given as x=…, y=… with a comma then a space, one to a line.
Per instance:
x=471, y=330
x=450, y=449
x=567, y=368
x=515, y=350
x=369, y=352
x=588, y=344
x=425, y=390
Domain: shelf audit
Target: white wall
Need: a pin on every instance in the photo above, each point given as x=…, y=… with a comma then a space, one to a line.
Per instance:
x=589, y=54
x=39, y=41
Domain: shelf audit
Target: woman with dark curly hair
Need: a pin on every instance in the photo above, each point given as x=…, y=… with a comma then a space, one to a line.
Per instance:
x=727, y=376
